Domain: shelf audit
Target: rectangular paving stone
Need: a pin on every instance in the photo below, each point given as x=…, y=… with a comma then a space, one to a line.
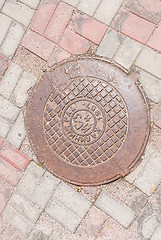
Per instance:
x=155, y=39
x=149, y=60
x=20, y=93
x=133, y=26
x=17, y=133
x=43, y=15
x=45, y=189
x=92, y=224
x=116, y=209
x=5, y=194
x=12, y=40
x=63, y=215
x=16, y=220
x=30, y=179
x=10, y=80
x=145, y=158
x=38, y=44
x=81, y=44
x=86, y=27
x=8, y=110
x=149, y=10
x=4, y=127
x=18, y=11
x=4, y=26
x=72, y=199
x=44, y=227
x=14, y=157
x=58, y=55
x=150, y=177
x=151, y=86
x=110, y=44
x=58, y=22
x=107, y=10
x=88, y=7
x=9, y=173
x=127, y=53
x=25, y=207
x=31, y=3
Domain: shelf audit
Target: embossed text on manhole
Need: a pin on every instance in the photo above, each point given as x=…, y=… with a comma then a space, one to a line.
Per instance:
x=88, y=122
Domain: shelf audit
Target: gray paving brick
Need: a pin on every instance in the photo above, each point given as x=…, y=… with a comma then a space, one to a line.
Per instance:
x=127, y=53
x=88, y=7
x=4, y=127
x=149, y=61
x=110, y=44
x=30, y=179
x=31, y=3
x=44, y=189
x=18, y=11
x=1, y=3
x=151, y=86
x=157, y=233
x=16, y=220
x=72, y=199
x=17, y=133
x=107, y=10
x=43, y=228
x=133, y=175
x=116, y=209
x=8, y=110
x=4, y=26
x=12, y=39
x=20, y=93
x=150, y=175
x=25, y=207
x=10, y=80
x=63, y=215
x=73, y=3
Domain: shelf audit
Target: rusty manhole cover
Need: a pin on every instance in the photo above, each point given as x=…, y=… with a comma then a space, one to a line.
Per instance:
x=88, y=122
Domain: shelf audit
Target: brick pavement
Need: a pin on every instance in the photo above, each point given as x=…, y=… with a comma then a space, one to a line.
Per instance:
x=35, y=35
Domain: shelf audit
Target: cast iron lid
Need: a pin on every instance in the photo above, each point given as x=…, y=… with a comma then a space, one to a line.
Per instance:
x=87, y=121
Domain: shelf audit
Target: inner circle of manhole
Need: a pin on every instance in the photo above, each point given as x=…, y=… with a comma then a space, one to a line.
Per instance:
x=90, y=122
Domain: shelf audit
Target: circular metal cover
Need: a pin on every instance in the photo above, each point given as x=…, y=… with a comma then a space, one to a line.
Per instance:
x=88, y=121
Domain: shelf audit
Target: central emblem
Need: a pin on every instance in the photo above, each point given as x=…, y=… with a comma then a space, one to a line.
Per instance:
x=86, y=122
x=83, y=121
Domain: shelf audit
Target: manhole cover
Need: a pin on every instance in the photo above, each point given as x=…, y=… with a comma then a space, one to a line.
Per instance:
x=88, y=122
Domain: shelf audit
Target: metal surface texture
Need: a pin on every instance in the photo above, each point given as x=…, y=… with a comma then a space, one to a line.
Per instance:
x=87, y=121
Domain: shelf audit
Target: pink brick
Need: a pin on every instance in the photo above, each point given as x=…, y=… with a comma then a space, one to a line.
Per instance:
x=133, y=26
x=92, y=224
x=14, y=157
x=58, y=55
x=89, y=28
x=43, y=15
x=58, y=22
x=155, y=39
x=38, y=45
x=5, y=194
x=9, y=173
x=147, y=9
x=74, y=43
x=3, y=65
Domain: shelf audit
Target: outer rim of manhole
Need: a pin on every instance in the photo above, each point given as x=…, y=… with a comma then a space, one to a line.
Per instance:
x=115, y=167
